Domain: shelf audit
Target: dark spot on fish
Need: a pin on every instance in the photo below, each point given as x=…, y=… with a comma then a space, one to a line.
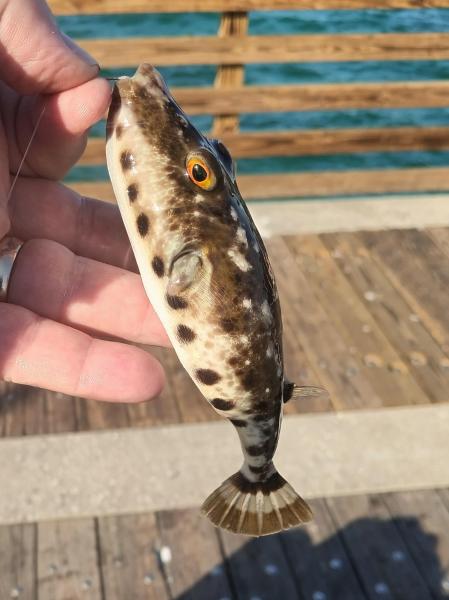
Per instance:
x=259, y=418
x=257, y=449
x=262, y=407
x=127, y=160
x=133, y=192
x=114, y=107
x=185, y=334
x=234, y=361
x=238, y=422
x=143, y=225
x=259, y=470
x=250, y=379
x=176, y=302
x=158, y=266
x=119, y=131
x=207, y=376
x=228, y=325
x=272, y=484
x=221, y=404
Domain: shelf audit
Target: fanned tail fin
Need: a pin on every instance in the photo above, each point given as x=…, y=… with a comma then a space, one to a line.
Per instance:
x=256, y=508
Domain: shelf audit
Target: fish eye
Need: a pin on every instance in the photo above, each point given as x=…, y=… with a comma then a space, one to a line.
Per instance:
x=200, y=172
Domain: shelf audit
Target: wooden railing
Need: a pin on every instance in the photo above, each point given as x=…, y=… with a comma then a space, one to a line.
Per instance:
x=229, y=97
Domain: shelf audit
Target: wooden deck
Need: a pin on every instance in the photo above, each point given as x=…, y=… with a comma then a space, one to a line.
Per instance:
x=393, y=546
x=365, y=316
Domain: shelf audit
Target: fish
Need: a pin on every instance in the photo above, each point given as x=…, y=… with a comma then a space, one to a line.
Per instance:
x=207, y=274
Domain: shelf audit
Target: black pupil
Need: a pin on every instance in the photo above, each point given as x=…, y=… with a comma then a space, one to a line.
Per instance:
x=199, y=173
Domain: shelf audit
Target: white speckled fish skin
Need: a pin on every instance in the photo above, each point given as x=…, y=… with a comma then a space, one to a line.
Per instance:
x=205, y=270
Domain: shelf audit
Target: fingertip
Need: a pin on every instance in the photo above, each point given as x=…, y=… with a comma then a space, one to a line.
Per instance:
x=116, y=372
x=76, y=110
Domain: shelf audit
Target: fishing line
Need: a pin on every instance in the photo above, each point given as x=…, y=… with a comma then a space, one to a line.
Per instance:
x=25, y=154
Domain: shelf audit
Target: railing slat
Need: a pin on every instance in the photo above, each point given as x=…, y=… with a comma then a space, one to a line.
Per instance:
x=200, y=50
x=328, y=183
x=340, y=96
x=68, y=7
x=315, y=142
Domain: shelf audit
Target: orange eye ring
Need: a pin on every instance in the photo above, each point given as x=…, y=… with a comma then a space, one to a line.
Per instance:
x=200, y=173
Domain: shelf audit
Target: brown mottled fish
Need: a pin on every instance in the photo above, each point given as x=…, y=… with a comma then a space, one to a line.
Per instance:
x=207, y=274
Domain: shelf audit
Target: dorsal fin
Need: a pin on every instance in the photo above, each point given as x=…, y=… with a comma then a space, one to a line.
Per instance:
x=291, y=390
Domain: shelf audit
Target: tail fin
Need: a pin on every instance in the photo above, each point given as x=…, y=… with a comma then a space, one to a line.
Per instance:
x=256, y=508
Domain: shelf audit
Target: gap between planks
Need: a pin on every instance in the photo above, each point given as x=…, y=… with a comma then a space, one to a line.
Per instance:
x=357, y=547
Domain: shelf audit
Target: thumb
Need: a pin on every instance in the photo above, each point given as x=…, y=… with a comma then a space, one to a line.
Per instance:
x=35, y=56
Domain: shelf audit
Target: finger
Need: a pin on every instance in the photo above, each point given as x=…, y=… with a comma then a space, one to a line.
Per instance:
x=39, y=352
x=90, y=228
x=61, y=134
x=34, y=55
x=51, y=281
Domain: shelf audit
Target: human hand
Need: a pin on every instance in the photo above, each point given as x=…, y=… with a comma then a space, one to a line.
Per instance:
x=70, y=285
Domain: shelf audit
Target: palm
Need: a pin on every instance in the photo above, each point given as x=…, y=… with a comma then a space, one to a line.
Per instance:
x=70, y=284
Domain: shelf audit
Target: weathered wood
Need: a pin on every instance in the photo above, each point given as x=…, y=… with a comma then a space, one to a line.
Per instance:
x=258, y=567
x=67, y=562
x=350, y=316
x=416, y=346
x=323, y=183
x=420, y=273
x=230, y=76
x=68, y=7
x=196, y=569
x=163, y=410
x=341, y=374
x=440, y=235
x=314, y=142
x=334, y=96
x=372, y=541
x=427, y=539
x=318, y=559
x=93, y=415
x=18, y=562
x=210, y=50
x=128, y=547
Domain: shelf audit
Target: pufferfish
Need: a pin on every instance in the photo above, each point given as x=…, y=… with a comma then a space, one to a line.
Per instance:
x=207, y=274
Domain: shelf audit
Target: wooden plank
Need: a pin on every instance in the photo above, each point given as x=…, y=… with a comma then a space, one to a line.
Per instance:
x=323, y=183
x=258, y=567
x=60, y=413
x=67, y=562
x=128, y=547
x=372, y=541
x=196, y=569
x=393, y=315
x=18, y=562
x=68, y=7
x=312, y=97
x=164, y=409
x=233, y=24
x=318, y=559
x=440, y=235
x=350, y=316
x=93, y=415
x=423, y=521
x=419, y=271
x=314, y=142
x=209, y=50
x=334, y=96
x=341, y=374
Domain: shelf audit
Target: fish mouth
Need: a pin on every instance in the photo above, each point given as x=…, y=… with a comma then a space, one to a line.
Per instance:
x=147, y=78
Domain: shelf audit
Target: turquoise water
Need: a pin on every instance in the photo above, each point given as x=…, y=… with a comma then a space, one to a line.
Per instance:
x=294, y=22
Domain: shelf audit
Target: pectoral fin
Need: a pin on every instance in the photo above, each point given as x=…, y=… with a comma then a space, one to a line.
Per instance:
x=184, y=270
x=292, y=390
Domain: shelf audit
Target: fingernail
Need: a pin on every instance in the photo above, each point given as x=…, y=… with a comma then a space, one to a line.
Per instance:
x=85, y=56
